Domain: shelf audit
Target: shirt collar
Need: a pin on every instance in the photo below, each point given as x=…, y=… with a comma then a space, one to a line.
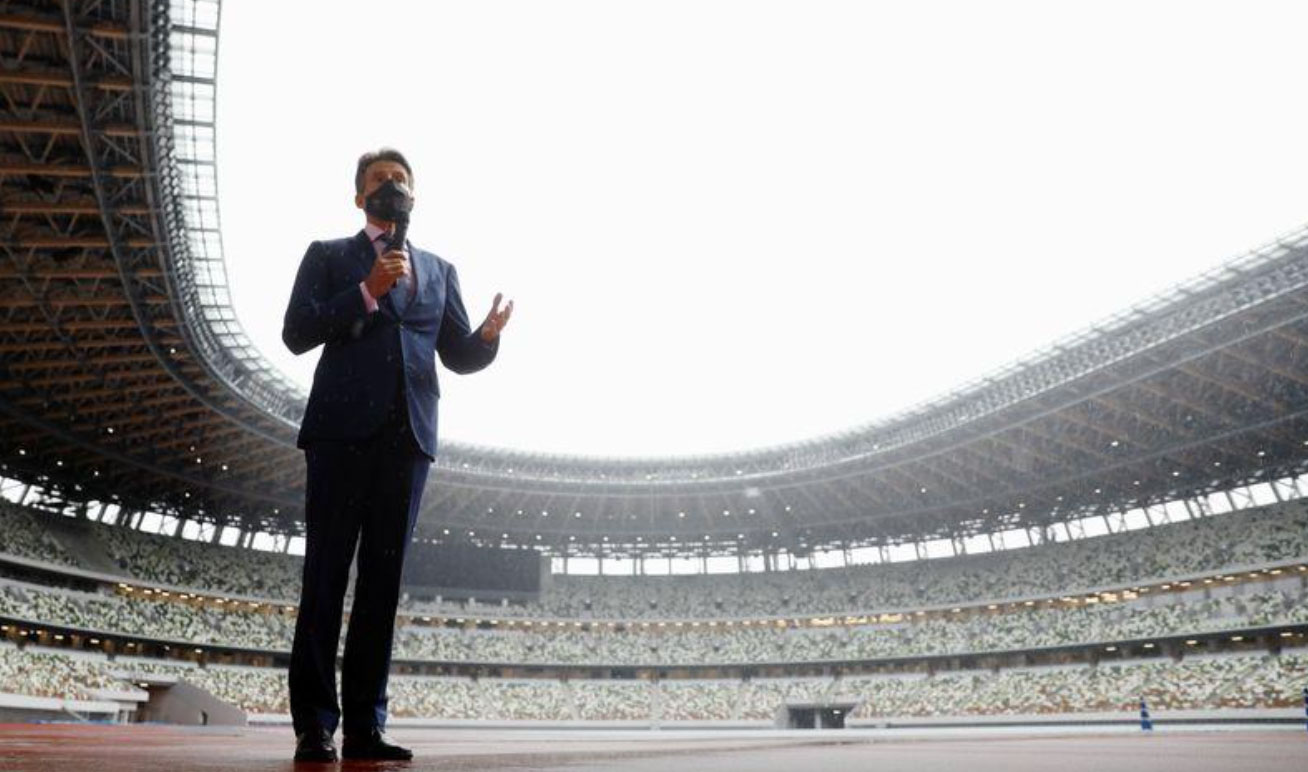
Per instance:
x=373, y=231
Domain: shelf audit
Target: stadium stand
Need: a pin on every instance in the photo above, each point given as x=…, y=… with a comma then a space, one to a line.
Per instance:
x=22, y=535
x=1200, y=682
x=212, y=567
x=1240, y=539
x=1263, y=544
x=237, y=625
x=1194, y=683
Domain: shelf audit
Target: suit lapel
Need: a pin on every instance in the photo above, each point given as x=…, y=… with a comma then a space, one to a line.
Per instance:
x=418, y=267
x=419, y=275
x=363, y=252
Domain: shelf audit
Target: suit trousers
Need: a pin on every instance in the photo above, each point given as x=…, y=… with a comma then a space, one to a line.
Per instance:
x=361, y=493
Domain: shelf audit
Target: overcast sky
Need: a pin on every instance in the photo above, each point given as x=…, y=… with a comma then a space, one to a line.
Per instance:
x=727, y=225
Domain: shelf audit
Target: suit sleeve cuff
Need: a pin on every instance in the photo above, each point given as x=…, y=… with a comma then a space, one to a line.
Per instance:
x=369, y=302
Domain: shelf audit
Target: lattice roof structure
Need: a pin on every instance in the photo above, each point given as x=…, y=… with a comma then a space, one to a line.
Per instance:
x=125, y=376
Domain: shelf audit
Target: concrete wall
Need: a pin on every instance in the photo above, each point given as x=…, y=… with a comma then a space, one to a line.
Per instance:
x=183, y=703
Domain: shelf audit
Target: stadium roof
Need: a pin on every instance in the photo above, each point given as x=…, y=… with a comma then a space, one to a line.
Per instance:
x=124, y=375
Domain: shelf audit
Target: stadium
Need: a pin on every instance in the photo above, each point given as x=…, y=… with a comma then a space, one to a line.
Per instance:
x=1111, y=533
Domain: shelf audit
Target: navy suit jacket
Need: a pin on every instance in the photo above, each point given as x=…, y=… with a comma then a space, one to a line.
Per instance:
x=365, y=353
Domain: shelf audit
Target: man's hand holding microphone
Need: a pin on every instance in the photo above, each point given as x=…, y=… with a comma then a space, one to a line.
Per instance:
x=386, y=270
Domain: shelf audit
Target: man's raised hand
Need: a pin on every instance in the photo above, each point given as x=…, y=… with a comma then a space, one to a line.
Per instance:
x=496, y=319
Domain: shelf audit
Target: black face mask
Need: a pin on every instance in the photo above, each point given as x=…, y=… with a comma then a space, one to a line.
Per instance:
x=390, y=202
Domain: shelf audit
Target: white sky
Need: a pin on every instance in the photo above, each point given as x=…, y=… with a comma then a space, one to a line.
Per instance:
x=732, y=224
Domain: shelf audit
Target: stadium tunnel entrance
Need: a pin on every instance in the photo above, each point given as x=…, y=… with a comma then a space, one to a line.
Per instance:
x=815, y=715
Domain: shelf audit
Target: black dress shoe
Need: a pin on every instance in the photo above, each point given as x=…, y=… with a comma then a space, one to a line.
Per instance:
x=373, y=745
x=315, y=745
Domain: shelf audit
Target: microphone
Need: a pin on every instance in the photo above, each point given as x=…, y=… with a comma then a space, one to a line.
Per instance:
x=401, y=230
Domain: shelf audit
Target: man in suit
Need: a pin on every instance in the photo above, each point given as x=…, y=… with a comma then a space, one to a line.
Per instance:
x=382, y=313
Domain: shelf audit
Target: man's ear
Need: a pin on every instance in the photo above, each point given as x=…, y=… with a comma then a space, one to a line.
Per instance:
x=358, y=200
